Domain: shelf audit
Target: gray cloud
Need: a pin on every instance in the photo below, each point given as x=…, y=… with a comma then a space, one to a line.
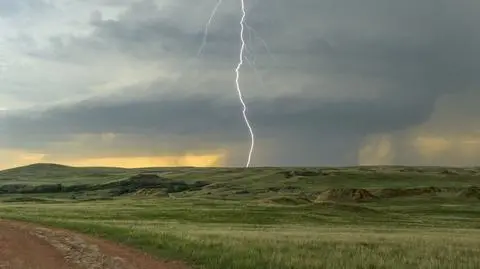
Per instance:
x=299, y=124
x=9, y=8
x=147, y=33
x=423, y=48
x=342, y=71
x=109, y=2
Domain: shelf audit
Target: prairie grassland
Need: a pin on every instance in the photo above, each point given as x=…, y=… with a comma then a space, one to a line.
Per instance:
x=265, y=217
x=218, y=235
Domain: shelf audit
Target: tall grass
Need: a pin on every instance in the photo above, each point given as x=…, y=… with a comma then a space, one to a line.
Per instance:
x=218, y=235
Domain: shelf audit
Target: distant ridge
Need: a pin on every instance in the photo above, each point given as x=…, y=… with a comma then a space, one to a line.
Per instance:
x=39, y=167
x=56, y=168
x=47, y=169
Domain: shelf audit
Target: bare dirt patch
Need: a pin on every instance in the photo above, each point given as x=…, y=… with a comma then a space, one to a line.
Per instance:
x=26, y=246
x=345, y=195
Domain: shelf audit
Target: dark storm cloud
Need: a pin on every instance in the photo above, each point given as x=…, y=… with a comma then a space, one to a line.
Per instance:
x=313, y=123
x=411, y=53
x=429, y=44
x=203, y=115
x=419, y=48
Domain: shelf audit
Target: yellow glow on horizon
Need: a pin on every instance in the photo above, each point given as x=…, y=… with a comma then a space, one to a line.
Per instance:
x=12, y=158
x=155, y=161
x=430, y=146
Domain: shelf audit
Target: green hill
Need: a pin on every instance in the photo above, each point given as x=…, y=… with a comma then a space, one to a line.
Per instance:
x=54, y=173
x=329, y=184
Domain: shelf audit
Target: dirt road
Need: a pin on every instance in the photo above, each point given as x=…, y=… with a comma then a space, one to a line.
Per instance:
x=25, y=246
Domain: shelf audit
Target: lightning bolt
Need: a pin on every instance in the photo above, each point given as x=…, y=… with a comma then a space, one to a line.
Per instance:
x=207, y=26
x=237, y=82
x=264, y=43
x=242, y=57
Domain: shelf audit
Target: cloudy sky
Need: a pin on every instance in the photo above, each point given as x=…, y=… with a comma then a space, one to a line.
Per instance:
x=326, y=82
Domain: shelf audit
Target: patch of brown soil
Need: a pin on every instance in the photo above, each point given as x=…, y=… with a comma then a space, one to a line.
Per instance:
x=400, y=192
x=26, y=246
x=151, y=192
x=354, y=208
x=357, y=195
x=286, y=200
x=20, y=250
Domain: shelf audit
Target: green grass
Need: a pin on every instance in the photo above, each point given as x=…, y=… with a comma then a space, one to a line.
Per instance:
x=259, y=218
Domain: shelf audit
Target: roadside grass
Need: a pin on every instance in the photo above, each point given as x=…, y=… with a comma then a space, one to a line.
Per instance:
x=221, y=234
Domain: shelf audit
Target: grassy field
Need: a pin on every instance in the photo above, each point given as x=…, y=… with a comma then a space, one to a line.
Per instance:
x=367, y=217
